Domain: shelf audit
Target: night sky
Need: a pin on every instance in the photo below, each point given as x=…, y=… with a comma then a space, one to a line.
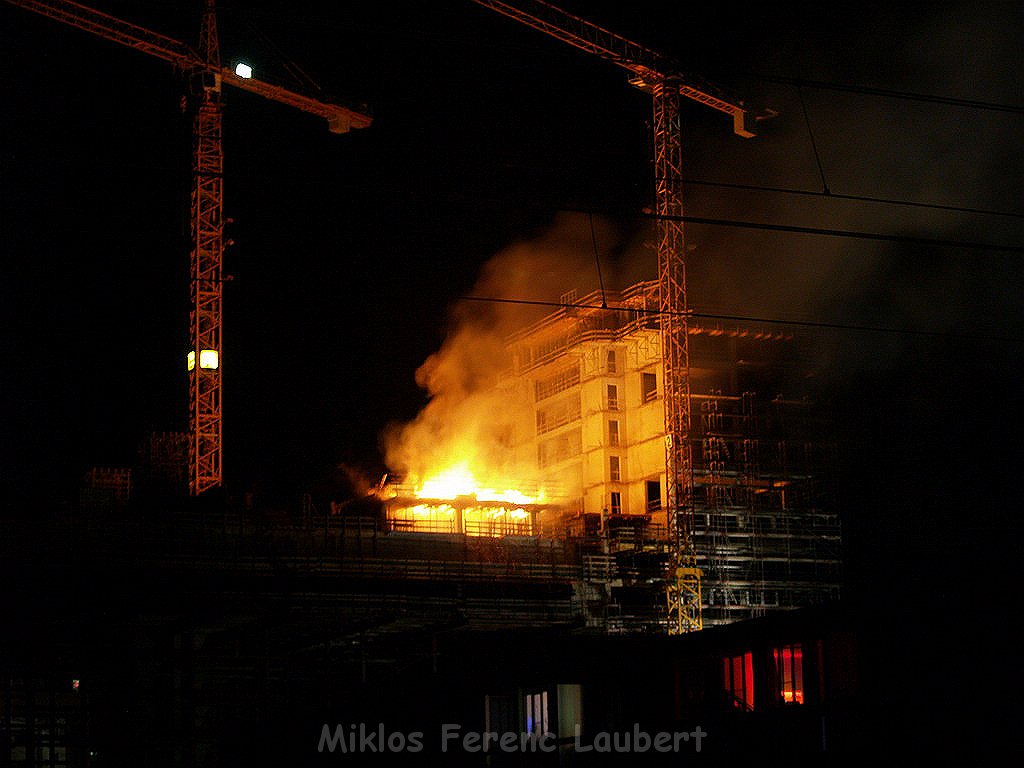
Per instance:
x=350, y=250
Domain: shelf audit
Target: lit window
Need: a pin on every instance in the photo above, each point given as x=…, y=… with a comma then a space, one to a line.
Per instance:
x=536, y=706
x=191, y=360
x=613, y=433
x=789, y=667
x=648, y=387
x=613, y=397
x=616, y=505
x=614, y=471
x=738, y=681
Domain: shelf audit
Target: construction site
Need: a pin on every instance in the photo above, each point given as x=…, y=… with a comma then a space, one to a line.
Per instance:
x=583, y=427
x=242, y=628
x=626, y=476
x=650, y=456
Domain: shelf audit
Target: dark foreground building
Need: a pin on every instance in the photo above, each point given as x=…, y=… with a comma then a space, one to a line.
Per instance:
x=224, y=636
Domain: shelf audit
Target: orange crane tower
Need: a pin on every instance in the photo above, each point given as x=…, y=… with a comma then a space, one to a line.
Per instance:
x=203, y=66
x=660, y=77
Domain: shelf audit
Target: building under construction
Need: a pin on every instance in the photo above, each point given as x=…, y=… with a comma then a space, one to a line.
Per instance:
x=239, y=618
x=584, y=407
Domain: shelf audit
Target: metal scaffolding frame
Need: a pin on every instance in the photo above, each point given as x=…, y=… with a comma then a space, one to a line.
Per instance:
x=766, y=533
x=766, y=529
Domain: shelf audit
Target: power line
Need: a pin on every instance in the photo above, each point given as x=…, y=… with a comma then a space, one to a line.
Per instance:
x=748, y=319
x=849, y=233
x=687, y=182
x=814, y=144
x=597, y=259
x=789, y=228
x=857, y=198
x=893, y=94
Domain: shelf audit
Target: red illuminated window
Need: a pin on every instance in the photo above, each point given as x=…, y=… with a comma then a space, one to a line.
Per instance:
x=789, y=668
x=738, y=681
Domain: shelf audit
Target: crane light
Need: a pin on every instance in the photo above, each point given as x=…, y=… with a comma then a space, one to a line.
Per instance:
x=243, y=70
x=208, y=359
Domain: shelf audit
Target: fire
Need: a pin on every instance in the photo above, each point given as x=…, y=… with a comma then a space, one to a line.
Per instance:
x=452, y=500
x=459, y=480
x=467, y=461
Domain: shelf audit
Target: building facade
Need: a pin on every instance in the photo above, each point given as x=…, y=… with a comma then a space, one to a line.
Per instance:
x=586, y=386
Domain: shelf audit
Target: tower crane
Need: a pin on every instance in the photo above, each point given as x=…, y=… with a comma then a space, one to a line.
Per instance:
x=660, y=77
x=206, y=76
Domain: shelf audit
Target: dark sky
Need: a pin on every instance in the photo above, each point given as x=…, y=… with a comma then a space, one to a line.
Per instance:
x=350, y=250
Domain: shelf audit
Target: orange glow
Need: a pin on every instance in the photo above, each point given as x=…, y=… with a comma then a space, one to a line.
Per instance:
x=459, y=480
x=453, y=501
x=789, y=666
x=738, y=678
x=439, y=517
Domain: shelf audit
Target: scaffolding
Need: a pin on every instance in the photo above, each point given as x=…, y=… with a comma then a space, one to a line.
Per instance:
x=765, y=524
x=585, y=417
x=766, y=532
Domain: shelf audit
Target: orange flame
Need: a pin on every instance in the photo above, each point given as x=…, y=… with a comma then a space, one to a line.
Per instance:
x=460, y=480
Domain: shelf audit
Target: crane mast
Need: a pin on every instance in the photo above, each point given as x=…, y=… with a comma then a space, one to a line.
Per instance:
x=206, y=281
x=206, y=278
x=683, y=590
x=660, y=77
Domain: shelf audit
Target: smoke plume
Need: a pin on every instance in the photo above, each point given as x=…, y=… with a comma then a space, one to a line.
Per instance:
x=467, y=417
